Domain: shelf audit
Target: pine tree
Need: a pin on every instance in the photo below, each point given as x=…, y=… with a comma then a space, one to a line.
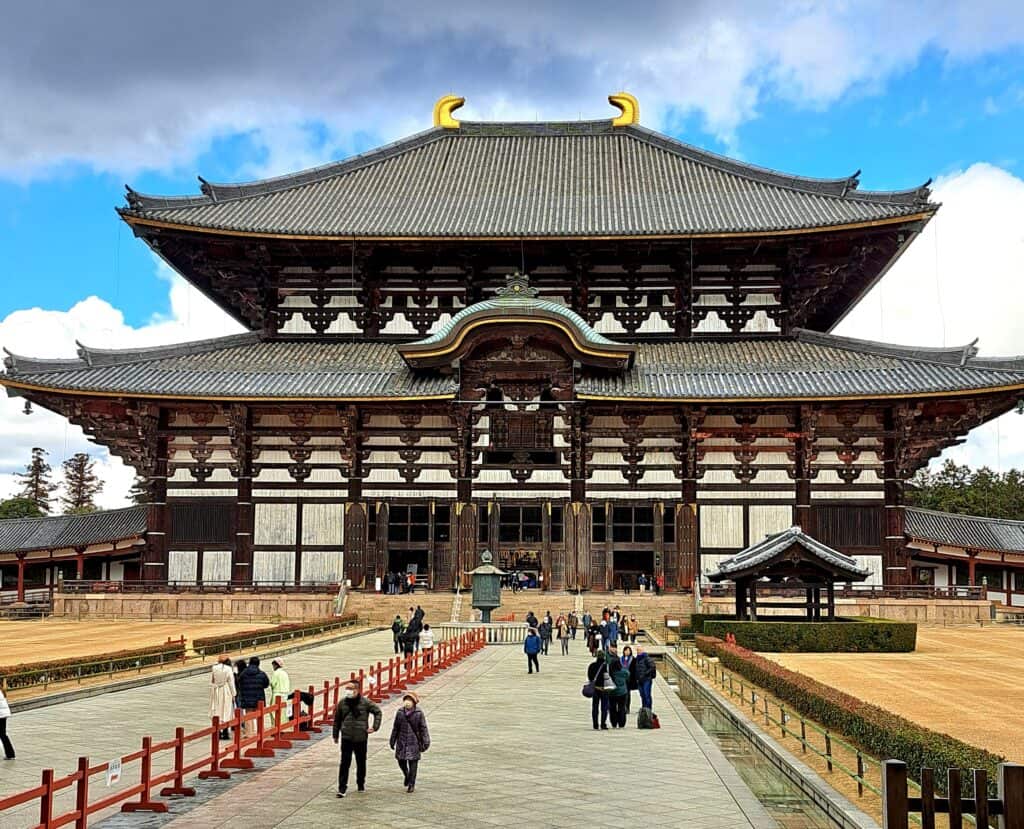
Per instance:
x=80, y=484
x=35, y=481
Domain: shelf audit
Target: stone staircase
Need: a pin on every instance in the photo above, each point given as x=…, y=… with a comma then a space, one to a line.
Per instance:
x=380, y=609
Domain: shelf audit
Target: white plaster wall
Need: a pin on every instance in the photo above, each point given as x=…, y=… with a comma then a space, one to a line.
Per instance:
x=721, y=525
x=182, y=565
x=273, y=566
x=275, y=524
x=322, y=524
x=322, y=566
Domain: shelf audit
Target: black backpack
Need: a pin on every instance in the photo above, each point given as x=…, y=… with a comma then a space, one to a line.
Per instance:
x=645, y=718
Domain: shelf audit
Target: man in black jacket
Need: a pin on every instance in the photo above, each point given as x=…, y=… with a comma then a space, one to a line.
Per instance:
x=252, y=685
x=352, y=724
x=646, y=671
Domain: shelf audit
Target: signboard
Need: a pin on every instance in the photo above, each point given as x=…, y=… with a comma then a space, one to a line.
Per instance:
x=113, y=771
x=672, y=623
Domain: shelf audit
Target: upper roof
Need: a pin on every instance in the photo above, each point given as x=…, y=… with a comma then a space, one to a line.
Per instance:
x=968, y=531
x=758, y=555
x=808, y=366
x=19, y=535
x=550, y=179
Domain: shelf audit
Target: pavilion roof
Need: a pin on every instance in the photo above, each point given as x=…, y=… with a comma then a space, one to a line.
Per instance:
x=760, y=555
x=806, y=366
x=968, y=531
x=534, y=180
x=19, y=535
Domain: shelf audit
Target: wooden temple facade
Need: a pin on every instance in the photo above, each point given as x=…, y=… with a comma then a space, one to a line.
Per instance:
x=586, y=346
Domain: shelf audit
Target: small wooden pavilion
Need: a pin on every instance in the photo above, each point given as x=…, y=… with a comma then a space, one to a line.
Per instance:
x=789, y=561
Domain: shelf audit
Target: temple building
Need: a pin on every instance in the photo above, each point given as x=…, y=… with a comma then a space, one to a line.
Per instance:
x=586, y=346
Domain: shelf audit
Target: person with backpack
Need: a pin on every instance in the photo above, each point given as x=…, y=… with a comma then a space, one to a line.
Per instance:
x=397, y=628
x=617, y=696
x=597, y=672
x=644, y=670
x=531, y=647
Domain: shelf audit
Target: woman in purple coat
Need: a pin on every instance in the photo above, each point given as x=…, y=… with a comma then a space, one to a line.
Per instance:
x=409, y=738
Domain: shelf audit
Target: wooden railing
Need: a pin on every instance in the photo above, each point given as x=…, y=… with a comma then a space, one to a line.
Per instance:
x=378, y=683
x=898, y=806
x=100, y=586
x=863, y=591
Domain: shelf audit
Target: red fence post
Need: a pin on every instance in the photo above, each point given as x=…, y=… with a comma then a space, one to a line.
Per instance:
x=277, y=732
x=46, y=801
x=236, y=760
x=82, y=793
x=214, y=772
x=179, y=786
x=261, y=749
x=145, y=803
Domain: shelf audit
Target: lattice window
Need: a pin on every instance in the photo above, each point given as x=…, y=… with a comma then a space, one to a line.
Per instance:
x=408, y=523
x=633, y=524
x=520, y=525
x=522, y=430
x=202, y=522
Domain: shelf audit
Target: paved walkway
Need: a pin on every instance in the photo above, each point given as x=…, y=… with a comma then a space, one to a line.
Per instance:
x=112, y=725
x=508, y=750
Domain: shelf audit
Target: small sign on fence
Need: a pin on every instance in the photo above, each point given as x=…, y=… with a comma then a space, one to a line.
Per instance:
x=113, y=771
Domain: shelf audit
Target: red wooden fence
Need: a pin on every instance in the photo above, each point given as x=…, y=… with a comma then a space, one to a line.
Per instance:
x=379, y=682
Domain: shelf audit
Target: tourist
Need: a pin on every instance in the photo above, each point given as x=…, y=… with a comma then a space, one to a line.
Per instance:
x=417, y=619
x=280, y=682
x=352, y=724
x=412, y=582
x=531, y=620
x=252, y=684
x=223, y=693
x=594, y=636
x=397, y=628
x=586, y=620
x=545, y=631
x=596, y=673
x=617, y=697
x=632, y=628
x=643, y=582
x=531, y=647
x=627, y=582
x=427, y=644
x=409, y=738
x=644, y=670
x=562, y=626
x=611, y=635
x=574, y=622
x=5, y=715
x=628, y=661
x=659, y=584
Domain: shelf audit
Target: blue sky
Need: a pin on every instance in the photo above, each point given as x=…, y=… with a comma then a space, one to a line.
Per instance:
x=129, y=94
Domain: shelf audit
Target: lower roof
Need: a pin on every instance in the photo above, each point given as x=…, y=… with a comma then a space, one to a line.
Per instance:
x=21, y=535
x=806, y=366
x=969, y=531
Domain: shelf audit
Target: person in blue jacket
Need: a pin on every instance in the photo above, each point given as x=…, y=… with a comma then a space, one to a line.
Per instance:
x=613, y=632
x=531, y=647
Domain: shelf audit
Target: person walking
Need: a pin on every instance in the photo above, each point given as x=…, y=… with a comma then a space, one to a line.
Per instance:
x=632, y=628
x=280, y=683
x=659, y=584
x=409, y=738
x=574, y=622
x=352, y=725
x=593, y=637
x=562, y=627
x=223, y=693
x=412, y=582
x=5, y=715
x=531, y=647
x=612, y=633
x=545, y=634
x=596, y=673
x=397, y=628
x=645, y=671
x=252, y=685
x=617, y=697
x=628, y=662
x=427, y=644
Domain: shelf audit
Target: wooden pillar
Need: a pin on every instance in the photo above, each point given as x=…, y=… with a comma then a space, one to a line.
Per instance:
x=687, y=535
x=971, y=556
x=831, y=601
x=577, y=543
x=158, y=524
x=817, y=603
x=741, y=599
x=79, y=563
x=753, y=600
x=20, y=598
x=895, y=561
x=464, y=533
x=803, y=515
x=810, y=604
x=297, y=569
x=355, y=542
x=239, y=418
x=553, y=560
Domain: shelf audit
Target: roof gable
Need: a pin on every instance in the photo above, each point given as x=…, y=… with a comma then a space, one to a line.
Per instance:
x=752, y=561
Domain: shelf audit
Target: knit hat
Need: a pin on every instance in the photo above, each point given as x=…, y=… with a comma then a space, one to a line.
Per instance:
x=279, y=662
x=411, y=695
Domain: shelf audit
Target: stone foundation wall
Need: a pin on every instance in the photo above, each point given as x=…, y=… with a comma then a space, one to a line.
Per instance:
x=924, y=611
x=244, y=606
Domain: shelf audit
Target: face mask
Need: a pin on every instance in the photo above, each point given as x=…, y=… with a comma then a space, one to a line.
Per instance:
x=348, y=693
x=408, y=705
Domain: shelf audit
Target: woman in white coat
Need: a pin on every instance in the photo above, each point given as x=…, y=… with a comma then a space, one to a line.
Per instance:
x=222, y=693
x=5, y=715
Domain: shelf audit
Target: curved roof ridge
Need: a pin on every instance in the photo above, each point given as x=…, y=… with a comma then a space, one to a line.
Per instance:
x=214, y=192
x=948, y=355
x=19, y=363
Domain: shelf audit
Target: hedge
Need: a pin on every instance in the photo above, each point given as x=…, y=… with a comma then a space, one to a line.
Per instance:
x=253, y=638
x=877, y=731
x=697, y=620
x=58, y=670
x=850, y=636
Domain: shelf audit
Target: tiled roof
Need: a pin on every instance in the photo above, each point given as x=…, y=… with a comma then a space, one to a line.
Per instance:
x=584, y=178
x=18, y=535
x=807, y=366
x=766, y=550
x=969, y=531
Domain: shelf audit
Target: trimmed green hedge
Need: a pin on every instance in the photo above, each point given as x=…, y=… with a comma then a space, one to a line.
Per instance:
x=877, y=731
x=852, y=636
x=254, y=638
x=61, y=670
x=697, y=620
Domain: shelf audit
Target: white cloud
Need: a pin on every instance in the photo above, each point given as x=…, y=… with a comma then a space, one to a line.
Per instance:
x=199, y=71
x=37, y=332
x=963, y=278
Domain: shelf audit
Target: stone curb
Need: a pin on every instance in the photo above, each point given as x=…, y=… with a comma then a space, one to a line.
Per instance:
x=842, y=812
x=183, y=673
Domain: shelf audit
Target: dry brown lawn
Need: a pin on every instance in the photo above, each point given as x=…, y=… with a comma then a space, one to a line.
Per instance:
x=963, y=681
x=33, y=641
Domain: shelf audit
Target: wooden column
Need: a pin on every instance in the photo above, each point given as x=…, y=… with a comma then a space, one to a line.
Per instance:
x=20, y=598
x=239, y=419
x=971, y=556
x=297, y=569
x=464, y=533
x=831, y=601
x=895, y=561
x=687, y=535
x=658, y=568
x=803, y=514
x=552, y=560
x=741, y=599
x=355, y=542
x=154, y=555
x=753, y=600
x=577, y=543
x=79, y=563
